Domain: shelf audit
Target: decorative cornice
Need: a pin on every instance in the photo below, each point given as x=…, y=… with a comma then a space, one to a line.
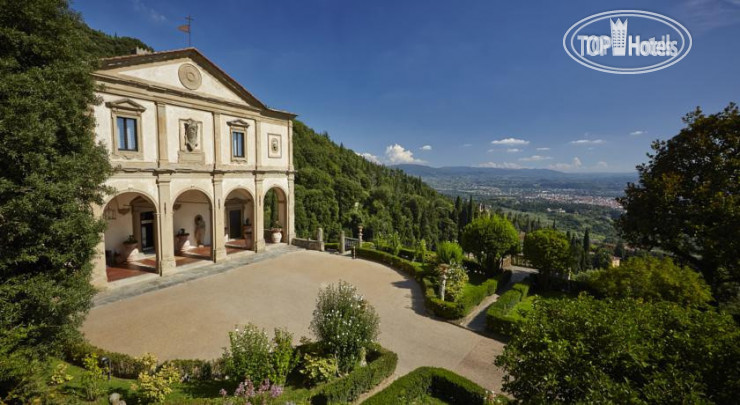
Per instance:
x=125, y=104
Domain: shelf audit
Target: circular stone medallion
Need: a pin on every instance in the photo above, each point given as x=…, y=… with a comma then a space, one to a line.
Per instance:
x=189, y=76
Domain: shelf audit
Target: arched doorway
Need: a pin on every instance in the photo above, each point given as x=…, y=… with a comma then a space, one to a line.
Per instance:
x=131, y=236
x=275, y=214
x=239, y=221
x=192, y=227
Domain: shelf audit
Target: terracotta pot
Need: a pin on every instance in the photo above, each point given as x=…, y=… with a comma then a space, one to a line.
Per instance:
x=130, y=251
x=181, y=240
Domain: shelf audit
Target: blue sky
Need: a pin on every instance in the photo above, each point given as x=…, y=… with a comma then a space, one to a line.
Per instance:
x=449, y=83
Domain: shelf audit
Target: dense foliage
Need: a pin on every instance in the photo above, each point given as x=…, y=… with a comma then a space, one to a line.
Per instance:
x=650, y=279
x=489, y=238
x=337, y=189
x=252, y=355
x=687, y=201
x=602, y=351
x=549, y=251
x=345, y=324
x=51, y=173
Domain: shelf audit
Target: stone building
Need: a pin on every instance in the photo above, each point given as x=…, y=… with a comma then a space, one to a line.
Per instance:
x=195, y=155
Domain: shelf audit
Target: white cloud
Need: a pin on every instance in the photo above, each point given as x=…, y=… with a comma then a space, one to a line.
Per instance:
x=587, y=142
x=567, y=166
x=466, y=145
x=371, y=158
x=543, y=149
x=149, y=12
x=637, y=133
x=510, y=141
x=602, y=165
x=513, y=150
x=503, y=165
x=534, y=158
x=426, y=147
x=397, y=154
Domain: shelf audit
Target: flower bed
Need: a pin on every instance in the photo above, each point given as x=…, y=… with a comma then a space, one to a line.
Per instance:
x=438, y=383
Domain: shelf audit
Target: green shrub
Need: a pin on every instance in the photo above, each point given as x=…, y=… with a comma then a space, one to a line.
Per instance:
x=522, y=287
x=331, y=245
x=154, y=385
x=318, y=369
x=197, y=370
x=497, y=314
x=93, y=378
x=650, y=279
x=436, y=382
x=248, y=355
x=121, y=365
x=344, y=323
x=282, y=356
x=449, y=252
x=381, y=365
x=367, y=245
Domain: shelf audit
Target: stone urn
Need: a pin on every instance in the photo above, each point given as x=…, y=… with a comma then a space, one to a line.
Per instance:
x=130, y=251
x=180, y=240
x=277, y=235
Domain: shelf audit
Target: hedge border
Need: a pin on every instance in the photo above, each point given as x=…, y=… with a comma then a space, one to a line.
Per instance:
x=498, y=314
x=438, y=382
x=361, y=380
x=442, y=309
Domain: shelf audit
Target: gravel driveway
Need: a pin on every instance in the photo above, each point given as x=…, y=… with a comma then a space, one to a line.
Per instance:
x=191, y=320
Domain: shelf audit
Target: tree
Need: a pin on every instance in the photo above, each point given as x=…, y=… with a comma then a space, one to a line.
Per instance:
x=585, y=262
x=51, y=173
x=602, y=351
x=651, y=279
x=549, y=251
x=687, y=201
x=489, y=239
x=449, y=253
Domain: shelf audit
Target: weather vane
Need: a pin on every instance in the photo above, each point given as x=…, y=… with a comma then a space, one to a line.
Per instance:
x=186, y=28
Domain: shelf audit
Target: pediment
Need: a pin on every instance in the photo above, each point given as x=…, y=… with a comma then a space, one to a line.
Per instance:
x=125, y=104
x=185, y=72
x=238, y=123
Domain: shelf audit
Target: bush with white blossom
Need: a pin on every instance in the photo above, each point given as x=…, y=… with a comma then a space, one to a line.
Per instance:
x=345, y=324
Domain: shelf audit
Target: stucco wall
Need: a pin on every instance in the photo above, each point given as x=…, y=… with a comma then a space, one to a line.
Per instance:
x=174, y=115
x=192, y=204
x=282, y=130
x=104, y=126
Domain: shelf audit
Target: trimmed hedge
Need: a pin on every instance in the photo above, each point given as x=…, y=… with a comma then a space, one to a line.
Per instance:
x=437, y=382
x=474, y=294
x=381, y=365
x=413, y=269
x=499, y=318
x=121, y=365
x=331, y=245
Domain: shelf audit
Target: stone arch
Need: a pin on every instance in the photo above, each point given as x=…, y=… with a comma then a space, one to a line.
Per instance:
x=192, y=223
x=131, y=239
x=275, y=212
x=239, y=217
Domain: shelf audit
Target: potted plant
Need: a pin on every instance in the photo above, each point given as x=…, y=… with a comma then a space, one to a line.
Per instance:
x=277, y=232
x=129, y=248
x=182, y=238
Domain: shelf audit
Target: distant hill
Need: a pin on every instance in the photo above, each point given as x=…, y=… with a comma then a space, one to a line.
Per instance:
x=462, y=179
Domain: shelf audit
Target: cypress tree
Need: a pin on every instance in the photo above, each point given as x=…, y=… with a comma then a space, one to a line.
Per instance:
x=51, y=173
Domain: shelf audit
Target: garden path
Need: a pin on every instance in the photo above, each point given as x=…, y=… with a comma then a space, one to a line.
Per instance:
x=191, y=319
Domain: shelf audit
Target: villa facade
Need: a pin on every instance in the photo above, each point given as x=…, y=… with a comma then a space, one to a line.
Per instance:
x=195, y=155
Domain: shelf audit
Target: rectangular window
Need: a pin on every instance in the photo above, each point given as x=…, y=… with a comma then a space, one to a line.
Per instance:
x=237, y=144
x=127, y=134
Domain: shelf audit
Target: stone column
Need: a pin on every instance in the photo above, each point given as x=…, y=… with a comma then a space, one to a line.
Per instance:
x=99, y=276
x=290, y=208
x=320, y=235
x=162, y=157
x=341, y=242
x=219, y=242
x=290, y=145
x=259, y=213
x=165, y=234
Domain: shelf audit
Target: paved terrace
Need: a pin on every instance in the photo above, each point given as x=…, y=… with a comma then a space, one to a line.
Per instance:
x=190, y=318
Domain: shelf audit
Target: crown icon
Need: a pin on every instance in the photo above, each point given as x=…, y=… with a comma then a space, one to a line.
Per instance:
x=619, y=36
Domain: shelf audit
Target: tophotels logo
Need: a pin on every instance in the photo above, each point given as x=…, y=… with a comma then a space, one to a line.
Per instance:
x=632, y=42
